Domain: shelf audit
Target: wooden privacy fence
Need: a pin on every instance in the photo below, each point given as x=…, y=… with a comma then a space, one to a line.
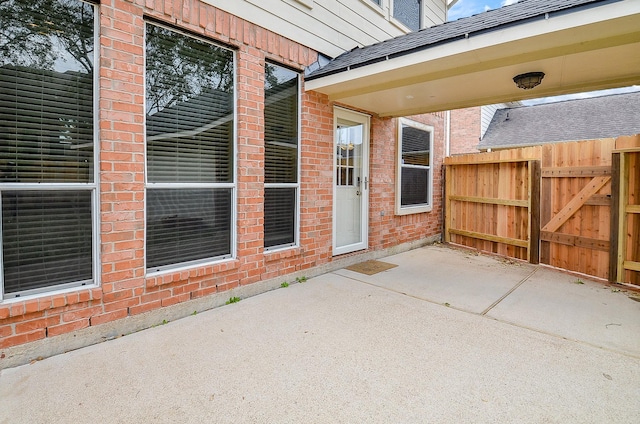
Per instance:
x=559, y=204
x=626, y=210
x=490, y=205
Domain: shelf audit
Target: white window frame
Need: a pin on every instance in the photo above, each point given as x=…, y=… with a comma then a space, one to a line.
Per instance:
x=296, y=236
x=428, y=207
x=381, y=9
x=180, y=266
x=93, y=187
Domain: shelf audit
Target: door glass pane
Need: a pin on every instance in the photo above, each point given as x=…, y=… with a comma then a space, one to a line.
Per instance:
x=349, y=151
x=348, y=154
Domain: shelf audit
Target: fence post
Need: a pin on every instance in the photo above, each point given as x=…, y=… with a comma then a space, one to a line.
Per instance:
x=545, y=202
x=448, y=171
x=615, y=217
x=535, y=175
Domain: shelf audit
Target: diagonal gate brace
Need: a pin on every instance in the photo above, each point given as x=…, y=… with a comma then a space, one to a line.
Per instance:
x=576, y=203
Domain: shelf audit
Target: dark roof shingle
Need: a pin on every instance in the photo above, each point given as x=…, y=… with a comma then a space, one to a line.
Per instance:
x=580, y=119
x=449, y=31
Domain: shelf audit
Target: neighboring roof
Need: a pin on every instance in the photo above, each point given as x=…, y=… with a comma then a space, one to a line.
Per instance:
x=517, y=13
x=580, y=119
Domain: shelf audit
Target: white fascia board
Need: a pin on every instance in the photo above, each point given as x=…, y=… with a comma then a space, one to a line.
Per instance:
x=451, y=3
x=492, y=38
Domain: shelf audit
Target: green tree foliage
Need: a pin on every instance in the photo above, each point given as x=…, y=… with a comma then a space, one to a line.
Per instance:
x=41, y=33
x=179, y=67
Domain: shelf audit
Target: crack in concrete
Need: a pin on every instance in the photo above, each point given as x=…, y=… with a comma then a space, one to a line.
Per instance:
x=504, y=296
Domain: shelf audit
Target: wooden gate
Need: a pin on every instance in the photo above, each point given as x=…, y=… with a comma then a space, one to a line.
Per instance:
x=587, y=216
x=575, y=208
x=626, y=216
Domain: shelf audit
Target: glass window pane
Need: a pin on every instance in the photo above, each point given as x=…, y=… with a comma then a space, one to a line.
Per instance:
x=187, y=224
x=407, y=12
x=415, y=146
x=46, y=91
x=415, y=186
x=46, y=238
x=281, y=125
x=281, y=117
x=279, y=216
x=189, y=99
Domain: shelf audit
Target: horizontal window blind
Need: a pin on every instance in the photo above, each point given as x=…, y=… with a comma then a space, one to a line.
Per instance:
x=47, y=78
x=281, y=117
x=190, y=125
x=281, y=127
x=46, y=238
x=192, y=141
x=189, y=92
x=415, y=186
x=415, y=164
x=186, y=225
x=280, y=216
x=46, y=125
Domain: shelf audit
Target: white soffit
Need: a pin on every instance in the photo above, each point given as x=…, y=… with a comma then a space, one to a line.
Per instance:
x=595, y=48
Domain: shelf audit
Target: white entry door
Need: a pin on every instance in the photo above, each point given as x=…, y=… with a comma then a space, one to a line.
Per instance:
x=351, y=181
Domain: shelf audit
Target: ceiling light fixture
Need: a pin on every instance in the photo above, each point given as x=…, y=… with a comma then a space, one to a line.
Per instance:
x=529, y=80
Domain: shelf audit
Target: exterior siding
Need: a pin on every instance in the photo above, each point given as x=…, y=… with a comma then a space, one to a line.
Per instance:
x=126, y=290
x=434, y=12
x=487, y=115
x=330, y=27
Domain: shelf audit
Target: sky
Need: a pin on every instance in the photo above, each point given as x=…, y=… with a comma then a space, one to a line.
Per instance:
x=464, y=8
x=470, y=7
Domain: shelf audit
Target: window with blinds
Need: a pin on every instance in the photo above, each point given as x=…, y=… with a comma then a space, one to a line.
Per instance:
x=415, y=144
x=189, y=136
x=281, y=140
x=408, y=12
x=47, y=154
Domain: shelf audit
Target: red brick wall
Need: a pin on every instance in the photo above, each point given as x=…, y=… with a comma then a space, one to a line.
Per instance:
x=465, y=130
x=125, y=289
x=386, y=228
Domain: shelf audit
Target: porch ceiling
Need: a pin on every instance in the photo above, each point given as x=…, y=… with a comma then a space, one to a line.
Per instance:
x=587, y=49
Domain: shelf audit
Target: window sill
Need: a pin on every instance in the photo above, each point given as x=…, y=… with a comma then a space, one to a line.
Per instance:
x=24, y=305
x=160, y=278
x=284, y=253
x=413, y=210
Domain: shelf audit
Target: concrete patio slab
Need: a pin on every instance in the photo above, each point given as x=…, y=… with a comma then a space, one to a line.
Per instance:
x=574, y=308
x=460, y=278
x=338, y=350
